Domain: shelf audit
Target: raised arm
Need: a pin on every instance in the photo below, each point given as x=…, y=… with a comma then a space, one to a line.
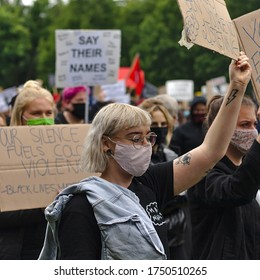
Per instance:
x=194, y=165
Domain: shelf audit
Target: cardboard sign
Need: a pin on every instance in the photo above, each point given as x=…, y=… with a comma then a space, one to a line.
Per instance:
x=182, y=90
x=87, y=57
x=248, y=29
x=37, y=162
x=208, y=24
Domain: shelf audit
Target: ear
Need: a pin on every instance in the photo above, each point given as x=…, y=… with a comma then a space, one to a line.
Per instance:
x=106, y=144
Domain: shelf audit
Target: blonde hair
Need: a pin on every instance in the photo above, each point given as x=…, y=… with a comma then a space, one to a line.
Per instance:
x=170, y=103
x=108, y=122
x=152, y=105
x=30, y=91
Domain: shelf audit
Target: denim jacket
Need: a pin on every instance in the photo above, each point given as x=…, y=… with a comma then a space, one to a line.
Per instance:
x=126, y=230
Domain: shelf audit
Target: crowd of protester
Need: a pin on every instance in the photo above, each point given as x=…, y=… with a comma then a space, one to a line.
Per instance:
x=168, y=189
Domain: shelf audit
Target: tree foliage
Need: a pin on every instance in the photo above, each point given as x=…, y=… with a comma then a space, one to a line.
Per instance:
x=150, y=28
x=14, y=45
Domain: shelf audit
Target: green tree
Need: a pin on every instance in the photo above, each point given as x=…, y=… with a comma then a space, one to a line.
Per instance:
x=150, y=28
x=77, y=14
x=15, y=46
x=37, y=21
x=161, y=56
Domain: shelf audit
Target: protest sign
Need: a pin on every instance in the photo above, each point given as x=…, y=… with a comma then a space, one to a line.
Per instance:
x=208, y=24
x=37, y=162
x=248, y=29
x=87, y=57
x=182, y=90
x=116, y=92
x=215, y=86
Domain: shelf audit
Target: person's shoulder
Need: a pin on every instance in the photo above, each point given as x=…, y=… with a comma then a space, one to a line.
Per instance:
x=183, y=126
x=78, y=203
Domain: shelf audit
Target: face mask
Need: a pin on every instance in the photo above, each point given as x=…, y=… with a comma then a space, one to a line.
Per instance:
x=39, y=121
x=161, y=133
x=133, y=161
x=198, y=118
x=243, y=139
x=79, y=110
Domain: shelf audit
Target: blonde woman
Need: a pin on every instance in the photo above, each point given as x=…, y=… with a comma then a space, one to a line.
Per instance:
x=34, y=105
x=162, y=126
x=22, y=232
x=117, y=215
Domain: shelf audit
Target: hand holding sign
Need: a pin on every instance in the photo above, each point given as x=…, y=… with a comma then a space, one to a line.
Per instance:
x=240, y=70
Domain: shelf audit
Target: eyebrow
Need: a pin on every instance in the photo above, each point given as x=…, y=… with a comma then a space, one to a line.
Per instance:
x=133, y=133
x=136, y=133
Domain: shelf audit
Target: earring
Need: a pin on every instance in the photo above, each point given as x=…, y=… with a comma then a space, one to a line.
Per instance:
x=109, y=152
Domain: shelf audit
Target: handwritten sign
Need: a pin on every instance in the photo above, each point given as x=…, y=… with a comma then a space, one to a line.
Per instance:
x=248, y=29
x=37, y=161
x=182, y=90
x=89, y=57
x=208, y=24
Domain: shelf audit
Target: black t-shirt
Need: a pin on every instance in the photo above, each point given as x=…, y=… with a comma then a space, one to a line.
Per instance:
x=79, y=234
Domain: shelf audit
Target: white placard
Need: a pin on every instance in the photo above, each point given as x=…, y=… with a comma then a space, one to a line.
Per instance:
x=182, y=90
x=116, y=92
x=87, y=57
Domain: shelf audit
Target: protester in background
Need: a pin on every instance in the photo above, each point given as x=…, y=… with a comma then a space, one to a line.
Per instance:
x=162, y=126
x=34, y=105
x=224, y=211
x=171, y=104
x=175, y=210
x=187, y=136
x=22, y=232
x=190, y=134
x=73, y=104
x=117, y=215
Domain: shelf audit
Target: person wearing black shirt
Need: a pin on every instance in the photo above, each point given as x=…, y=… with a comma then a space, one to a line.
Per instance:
x=224, y=211
x=119, y=147
x=190, y=135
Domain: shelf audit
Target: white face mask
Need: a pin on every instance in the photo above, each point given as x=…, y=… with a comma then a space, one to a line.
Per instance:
x=133, y=161
x=243, y=139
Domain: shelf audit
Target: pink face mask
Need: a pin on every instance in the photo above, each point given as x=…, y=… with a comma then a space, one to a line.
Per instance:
x=133, y=161
x=243, y=139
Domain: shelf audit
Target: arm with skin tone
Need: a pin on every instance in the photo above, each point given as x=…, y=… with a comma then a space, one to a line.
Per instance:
x=194, y=165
